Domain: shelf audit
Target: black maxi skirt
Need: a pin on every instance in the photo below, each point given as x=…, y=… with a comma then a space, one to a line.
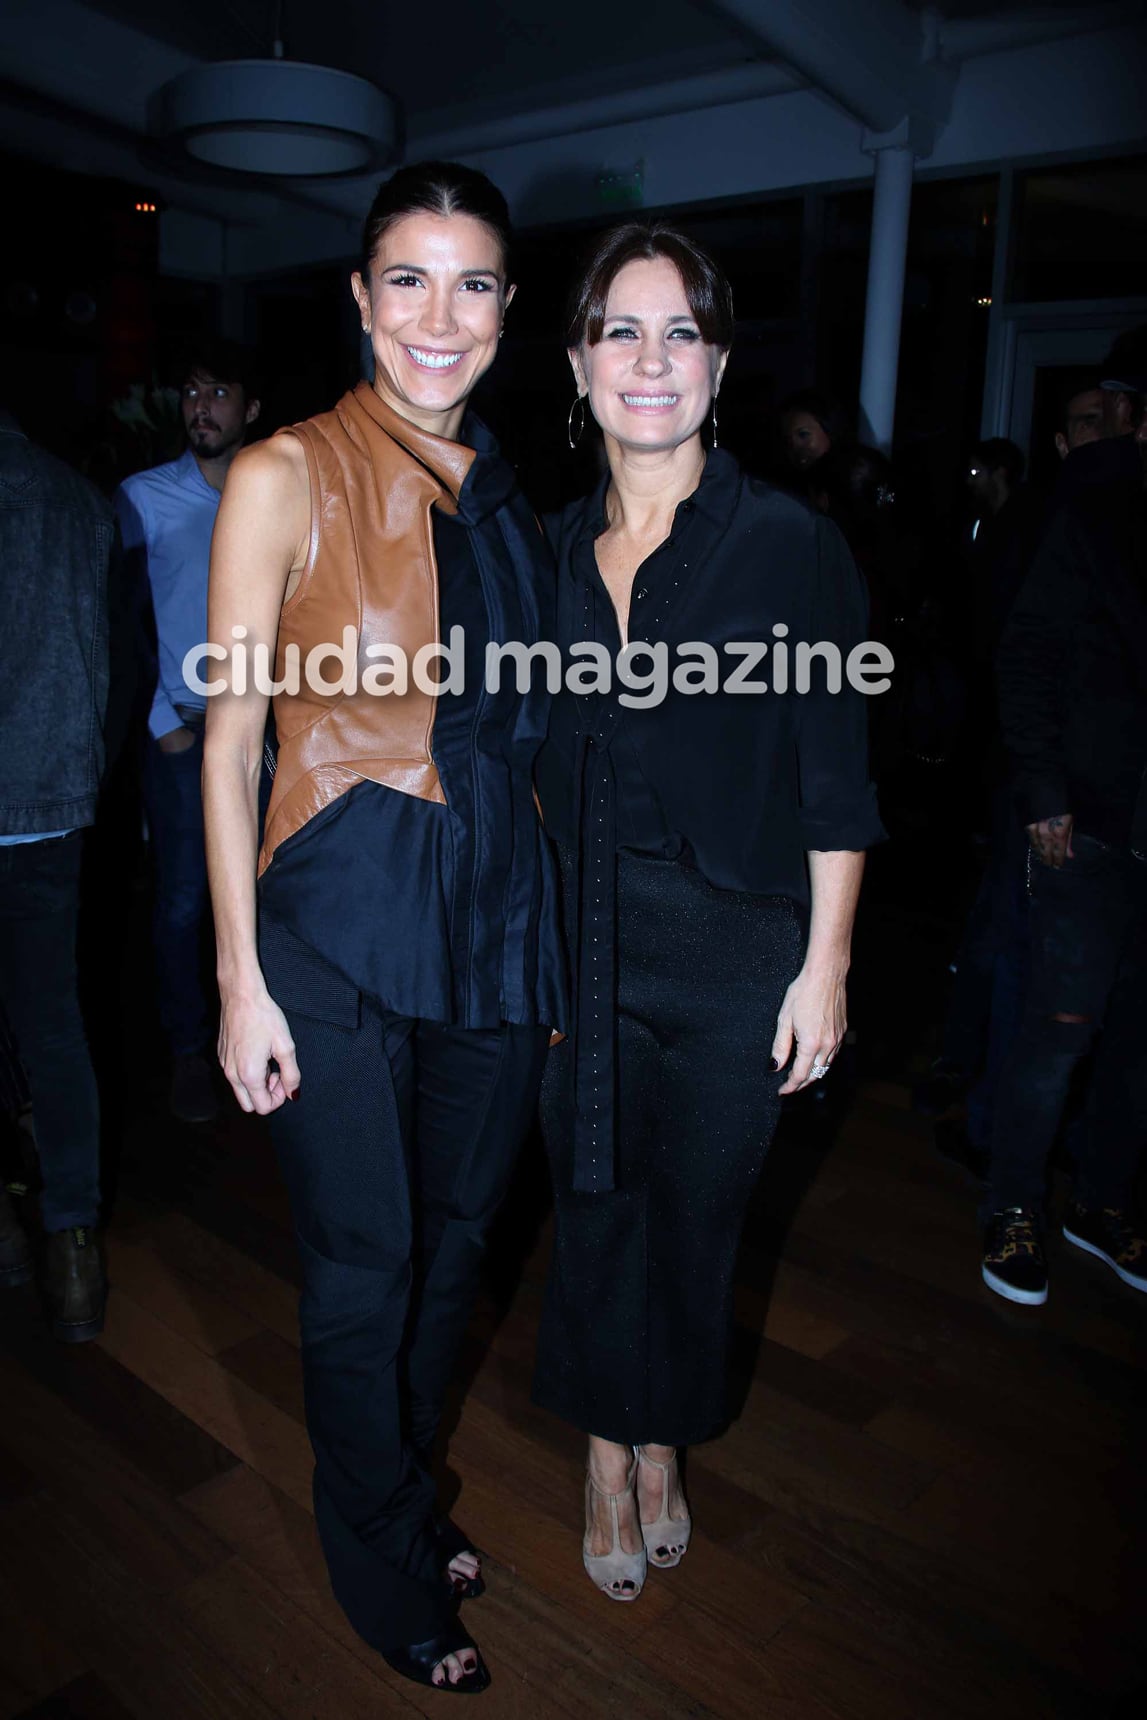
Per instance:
x=635, y=1330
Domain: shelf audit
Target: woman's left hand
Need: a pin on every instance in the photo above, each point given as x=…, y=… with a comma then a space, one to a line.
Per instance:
x=810, y=1026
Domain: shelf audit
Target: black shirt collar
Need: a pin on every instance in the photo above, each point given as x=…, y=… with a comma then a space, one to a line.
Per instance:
x=713, y=498
x=491, y=480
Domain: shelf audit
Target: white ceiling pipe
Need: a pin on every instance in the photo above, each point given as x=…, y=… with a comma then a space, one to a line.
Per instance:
x=679, y=95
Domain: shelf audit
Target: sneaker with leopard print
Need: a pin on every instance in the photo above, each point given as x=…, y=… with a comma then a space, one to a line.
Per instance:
x=1107, y=1232
x=1014, y=1264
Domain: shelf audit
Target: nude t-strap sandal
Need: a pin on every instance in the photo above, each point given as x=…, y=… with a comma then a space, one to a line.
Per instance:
x=670, y=1533
x=608, y=1571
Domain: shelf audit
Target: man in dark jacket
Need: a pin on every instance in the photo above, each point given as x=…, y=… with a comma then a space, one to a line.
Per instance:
x=57, y=537
x=1072, y=673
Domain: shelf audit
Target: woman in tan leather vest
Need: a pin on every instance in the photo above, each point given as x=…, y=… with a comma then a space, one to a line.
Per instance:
x=396, y=972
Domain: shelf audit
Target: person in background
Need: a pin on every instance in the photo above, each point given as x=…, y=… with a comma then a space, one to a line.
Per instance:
x=811, y=423
x=1007, y=521
x=61, y=608
x=1081, y=421
x=995, y=472
x=989, y=968
x=711, y=848
x=166, y=517
x=856, y=487
x=1072, y=674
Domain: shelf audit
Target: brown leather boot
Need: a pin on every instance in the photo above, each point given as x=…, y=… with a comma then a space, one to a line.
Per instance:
x=75, y=1284
x=15, y=1255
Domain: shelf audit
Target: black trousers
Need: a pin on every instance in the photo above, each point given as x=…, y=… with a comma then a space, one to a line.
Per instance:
x=1088, y=932
x=39, y=911
x=396, y=1155
x=638, y=1313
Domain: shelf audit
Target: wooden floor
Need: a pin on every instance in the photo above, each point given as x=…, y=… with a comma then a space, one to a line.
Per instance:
x=928, y=1507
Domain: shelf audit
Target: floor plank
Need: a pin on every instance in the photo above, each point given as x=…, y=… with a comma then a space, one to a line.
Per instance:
x=930, y=1503
x=237, y=1417
x=115, y=1624
x=85, y=1698
x=34, y=1663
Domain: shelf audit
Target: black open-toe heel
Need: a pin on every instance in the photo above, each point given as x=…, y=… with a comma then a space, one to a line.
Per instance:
x=418, y=1659
x=452, y=1542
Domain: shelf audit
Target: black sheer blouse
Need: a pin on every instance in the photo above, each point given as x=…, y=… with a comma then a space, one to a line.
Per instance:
x=743, y=783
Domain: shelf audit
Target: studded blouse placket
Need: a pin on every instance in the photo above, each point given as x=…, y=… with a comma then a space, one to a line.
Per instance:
x=595, y=941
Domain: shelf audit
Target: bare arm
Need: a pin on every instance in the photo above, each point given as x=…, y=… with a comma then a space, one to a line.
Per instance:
x=813, y=1016
x=257, y=552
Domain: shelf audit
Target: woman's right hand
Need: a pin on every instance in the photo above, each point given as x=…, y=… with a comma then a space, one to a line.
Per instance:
x=252, y=1031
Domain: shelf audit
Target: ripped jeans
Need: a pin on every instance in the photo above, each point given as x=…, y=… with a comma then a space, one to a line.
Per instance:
x=1086, y=993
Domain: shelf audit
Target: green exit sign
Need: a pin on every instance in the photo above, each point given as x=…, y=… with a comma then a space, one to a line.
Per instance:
x=622, y=187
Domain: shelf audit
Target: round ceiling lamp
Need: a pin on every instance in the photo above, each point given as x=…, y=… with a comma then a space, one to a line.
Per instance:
x=277, y=117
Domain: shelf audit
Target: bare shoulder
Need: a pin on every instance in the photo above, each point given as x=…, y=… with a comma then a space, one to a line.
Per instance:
x=274, y=470
x=268, y=494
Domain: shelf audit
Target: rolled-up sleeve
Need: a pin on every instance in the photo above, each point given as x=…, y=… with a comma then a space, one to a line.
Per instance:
x=837, y=800
x=133, y=531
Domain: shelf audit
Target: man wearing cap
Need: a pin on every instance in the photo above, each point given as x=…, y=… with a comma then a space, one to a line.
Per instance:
x=1081, y=421
x=1072, y=677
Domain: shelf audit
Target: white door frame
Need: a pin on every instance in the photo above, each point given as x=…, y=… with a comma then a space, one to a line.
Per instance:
x=1073, y=332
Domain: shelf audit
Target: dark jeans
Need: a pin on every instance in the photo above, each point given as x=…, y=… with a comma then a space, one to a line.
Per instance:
x=173, y=795
x=39, y=909
x=990, y=969
x=1088, y=924
x=396, y=1157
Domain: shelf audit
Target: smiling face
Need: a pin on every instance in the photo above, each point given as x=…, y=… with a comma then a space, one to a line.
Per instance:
x=651, y=378
x=433, y=309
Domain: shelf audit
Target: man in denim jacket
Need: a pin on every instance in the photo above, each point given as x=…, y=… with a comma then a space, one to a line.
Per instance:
x=57, y=539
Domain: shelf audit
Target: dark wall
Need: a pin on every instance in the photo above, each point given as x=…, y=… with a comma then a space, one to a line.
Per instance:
x=85, y=318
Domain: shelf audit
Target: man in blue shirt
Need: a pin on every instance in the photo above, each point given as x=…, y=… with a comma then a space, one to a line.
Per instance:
x=166, y=518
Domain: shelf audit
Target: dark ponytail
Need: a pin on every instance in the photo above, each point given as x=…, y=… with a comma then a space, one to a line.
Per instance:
x=436, y=188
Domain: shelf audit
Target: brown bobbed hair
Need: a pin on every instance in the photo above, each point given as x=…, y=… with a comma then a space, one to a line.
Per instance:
x=707, y=290
x=436, y=188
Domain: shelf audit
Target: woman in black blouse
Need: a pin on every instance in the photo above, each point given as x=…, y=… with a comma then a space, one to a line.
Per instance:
x=711, y=839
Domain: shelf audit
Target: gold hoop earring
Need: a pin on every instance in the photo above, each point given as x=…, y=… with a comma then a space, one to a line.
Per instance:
x=714, y=420
x=578, y=407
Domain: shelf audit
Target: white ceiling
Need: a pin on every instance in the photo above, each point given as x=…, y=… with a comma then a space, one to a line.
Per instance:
x=76, y=75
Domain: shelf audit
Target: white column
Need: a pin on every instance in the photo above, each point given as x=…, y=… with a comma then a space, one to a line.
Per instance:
x=999, y=365
x=891, y=204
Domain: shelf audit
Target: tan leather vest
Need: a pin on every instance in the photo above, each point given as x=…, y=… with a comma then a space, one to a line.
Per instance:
x=374, y=478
